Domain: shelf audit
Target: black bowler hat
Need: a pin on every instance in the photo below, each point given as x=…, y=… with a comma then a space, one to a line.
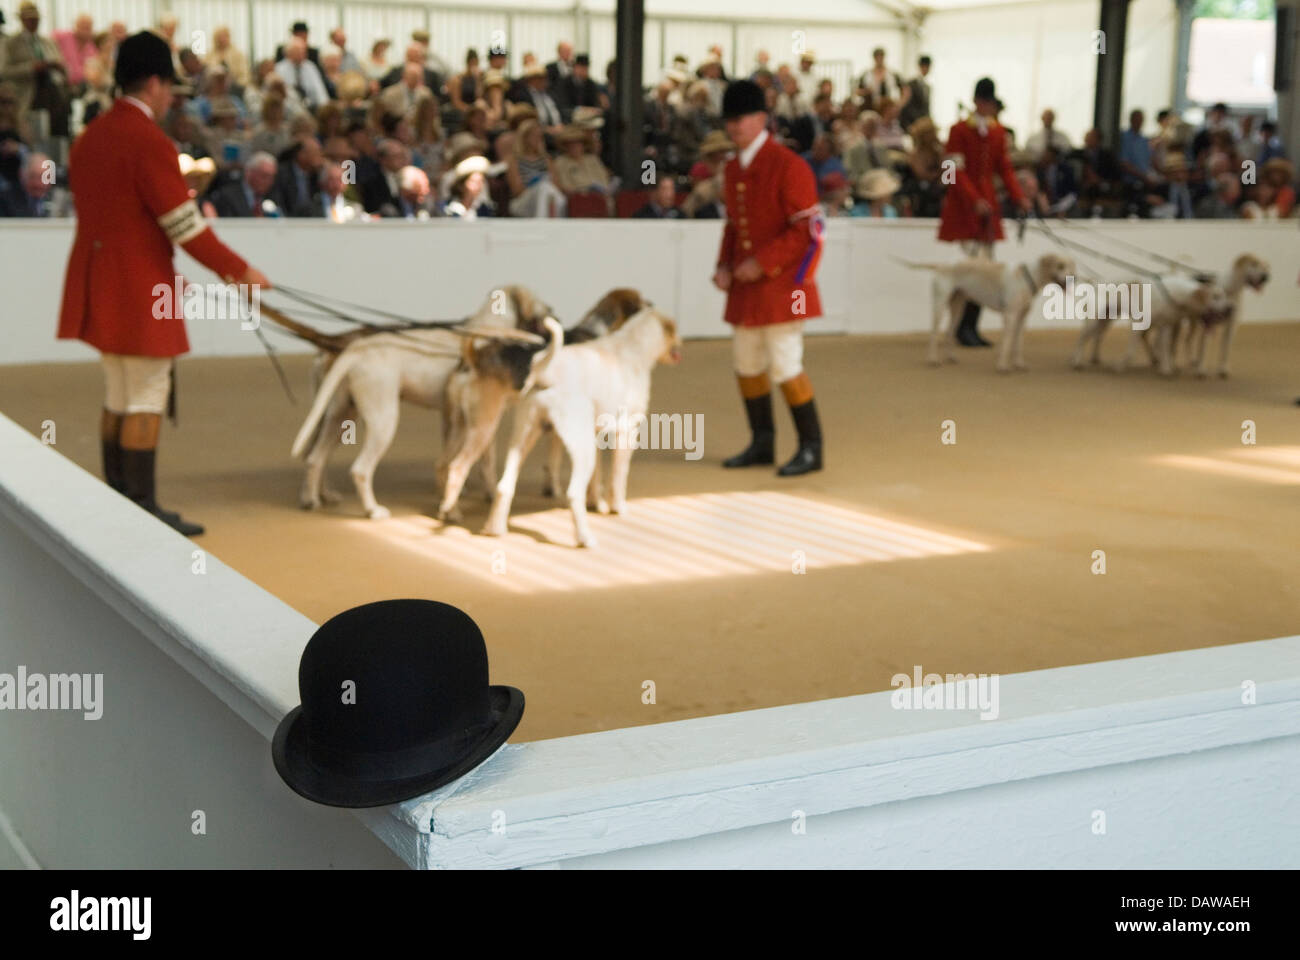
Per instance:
x=142, y=55
x=582, y=60
x=395, y=703
x=299, y=26
x=742, y=97
x=984, y=90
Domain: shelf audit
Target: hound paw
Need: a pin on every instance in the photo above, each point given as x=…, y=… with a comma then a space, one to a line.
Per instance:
x=620, y=507
x=330, y=496
x=451, y=515
x=493, y=529
x=1021, y=366
x=588, y=542
x=379, y=513
x=1002, y=368
x=1224, y=373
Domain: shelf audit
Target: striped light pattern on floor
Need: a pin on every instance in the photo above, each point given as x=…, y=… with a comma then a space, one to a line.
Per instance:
x=1264, y=464
x=667, y=539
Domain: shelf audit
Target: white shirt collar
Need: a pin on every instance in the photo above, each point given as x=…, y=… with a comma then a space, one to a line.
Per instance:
x=148, y=112
x=747, y=155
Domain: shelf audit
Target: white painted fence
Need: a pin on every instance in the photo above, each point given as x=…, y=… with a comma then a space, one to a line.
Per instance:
x=198, y=669
x=443, y=269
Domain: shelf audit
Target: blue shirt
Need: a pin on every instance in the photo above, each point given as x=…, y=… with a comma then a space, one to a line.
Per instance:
x=1134, y=148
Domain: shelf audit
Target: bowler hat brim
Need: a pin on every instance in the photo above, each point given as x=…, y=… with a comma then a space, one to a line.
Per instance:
x=292, y=753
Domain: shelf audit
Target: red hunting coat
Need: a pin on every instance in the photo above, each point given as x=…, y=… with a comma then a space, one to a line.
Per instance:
x=978, y=159
x=773, y=215
x=132, y=205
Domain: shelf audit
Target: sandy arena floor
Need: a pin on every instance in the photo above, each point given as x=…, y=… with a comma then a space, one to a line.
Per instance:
x=970, y=557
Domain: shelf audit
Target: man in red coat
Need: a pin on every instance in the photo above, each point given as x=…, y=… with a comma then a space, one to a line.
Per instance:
x=977, y=150
x=770, y=248
x=132, y=206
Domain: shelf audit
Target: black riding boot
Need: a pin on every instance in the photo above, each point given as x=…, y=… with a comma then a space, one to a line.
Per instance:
x=112, y=452
x=762, y=445
x=138, y=474
x=809, y=455
x=968, y=334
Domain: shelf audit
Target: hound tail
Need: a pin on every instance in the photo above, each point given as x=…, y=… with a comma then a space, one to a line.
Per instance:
x=543, y=360
x=307, y=432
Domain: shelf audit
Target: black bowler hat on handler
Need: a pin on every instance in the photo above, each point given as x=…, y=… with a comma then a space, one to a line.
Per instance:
x=395, y=703
x=742, y=97
x=142, y=55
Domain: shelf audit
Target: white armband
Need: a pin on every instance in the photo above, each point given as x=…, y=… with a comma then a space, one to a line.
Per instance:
x=184, y=223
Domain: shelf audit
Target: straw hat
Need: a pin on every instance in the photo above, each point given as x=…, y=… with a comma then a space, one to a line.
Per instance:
x=1279, y=165
x=517, y=113
x=571, y=134
x=464, y=142
x=716, y=142
x=589, y=118
x=495, y=78
x=536, y=70
x=877, y=184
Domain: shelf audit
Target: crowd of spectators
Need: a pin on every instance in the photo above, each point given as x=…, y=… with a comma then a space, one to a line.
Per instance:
x=344, y=135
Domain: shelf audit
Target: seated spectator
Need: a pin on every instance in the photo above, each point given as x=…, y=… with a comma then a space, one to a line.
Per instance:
x=1221, y=202
x=246, y=195
x=713, y=156
x=835, y=194
x=226, y=142
x=578, y=169
x=331, y=68
x=294, y=189
x=77, y=46
x=224, y=54
x=875, y=193
x=218, y=93
x=98, y=94
x=14, y=136
x=476, y=124
x=579, y=90
x=704, y=202
x=331, y=202
x=469, y=197
x=1049, y=136
x=271, y=135
x=1278, y=177
x=692, y=124
x=404, y=97
x=494, y=98
x=413, y=194
x=822, y=158
x=427, y=144
x=548, y=111
x=187, y=135
x=466, y=88
x=923, y=187
x=1099, y=188
x=1058, y=188
x=256, y=91
x=301, y=75
x=867, y=153
x=663, y=202
x=890, y=133
x=376, y=65
x=381, y=190
x=1178, y=204
x=657, y=117
x=34, y=194
x=1270, y=144
x=532, y=192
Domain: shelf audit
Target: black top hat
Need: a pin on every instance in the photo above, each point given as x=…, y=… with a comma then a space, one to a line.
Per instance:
x=984, y=89
x=395, y=703
x=742, y=97
x=142, y=55
x=299, y=26
x=582, y=60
